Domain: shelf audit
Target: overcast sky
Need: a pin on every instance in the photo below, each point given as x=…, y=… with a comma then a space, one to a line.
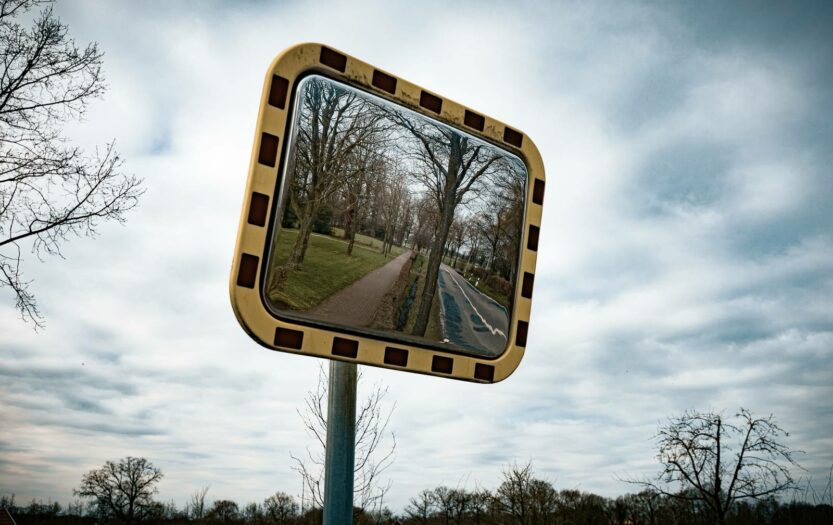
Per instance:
x=686, y=259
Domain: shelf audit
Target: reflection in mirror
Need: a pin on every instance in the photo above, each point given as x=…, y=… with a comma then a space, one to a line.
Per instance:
x=393, y=224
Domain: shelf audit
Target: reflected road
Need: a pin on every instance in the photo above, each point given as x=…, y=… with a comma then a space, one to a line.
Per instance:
x=470, y=319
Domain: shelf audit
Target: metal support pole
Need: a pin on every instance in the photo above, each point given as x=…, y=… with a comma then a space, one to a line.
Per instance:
x=341, y=444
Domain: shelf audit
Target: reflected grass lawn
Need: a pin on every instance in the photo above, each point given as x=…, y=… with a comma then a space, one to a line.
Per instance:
x=368, y=241
x=502, y=299
x=326, y=270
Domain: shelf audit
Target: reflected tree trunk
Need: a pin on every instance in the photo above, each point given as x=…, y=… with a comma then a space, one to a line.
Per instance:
x=464, y=167
x=434, y=261
x=351, y=243
x=350, y=222
x=299, y=247
x=348, y=219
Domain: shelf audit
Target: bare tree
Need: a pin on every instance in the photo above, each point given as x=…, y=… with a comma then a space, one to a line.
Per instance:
x=280, y=508
x=425, y=222
x=49, y=190
x=481, y=502
x=582, y=507
x=451, y=166
x=224, y=511
x=375, y=446
x=162, y=511
x=512, y=497
x=393, y=200
x=452, y=505
x=543, y=501
x=253, y=514
x=499, y=221
x=715, y=462
x=421, y=508
x=122, y=490
x=457, y=235
x=368, y=165
x=333, y=124
x=196, y=504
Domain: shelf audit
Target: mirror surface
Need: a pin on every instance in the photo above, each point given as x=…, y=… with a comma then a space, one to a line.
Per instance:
x=393, y=224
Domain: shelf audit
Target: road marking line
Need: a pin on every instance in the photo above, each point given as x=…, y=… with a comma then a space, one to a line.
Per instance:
x=495, y=331
x=470, y=285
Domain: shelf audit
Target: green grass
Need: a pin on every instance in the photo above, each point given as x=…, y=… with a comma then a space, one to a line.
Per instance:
x=494, y=294
x=326, y=270
x=420, y=261
x=366, y=240
x=501, y=298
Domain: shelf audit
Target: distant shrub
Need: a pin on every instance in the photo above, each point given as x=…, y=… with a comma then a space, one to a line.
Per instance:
x=323, y=221
x=499, y=284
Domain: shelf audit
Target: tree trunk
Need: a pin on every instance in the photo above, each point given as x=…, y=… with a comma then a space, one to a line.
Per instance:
x=305, y=241
x=351, y=243
x=299, y=247
x=348, y=222
x=433, y=271
x=494, y=255
x=350, y=219
x=446, y=207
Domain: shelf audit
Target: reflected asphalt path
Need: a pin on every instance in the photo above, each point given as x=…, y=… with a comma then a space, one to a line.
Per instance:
x=470, y=319
x=356, y=304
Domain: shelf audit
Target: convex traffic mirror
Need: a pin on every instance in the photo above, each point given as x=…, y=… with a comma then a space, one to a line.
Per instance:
x=384, y=224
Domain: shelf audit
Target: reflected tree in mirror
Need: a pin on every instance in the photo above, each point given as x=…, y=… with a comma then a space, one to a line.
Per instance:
x=336, y=134
x=395, y=224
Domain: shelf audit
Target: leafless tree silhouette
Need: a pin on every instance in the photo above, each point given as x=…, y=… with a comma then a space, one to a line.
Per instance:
x=714, y=461
x=122, y=490
x=280, y=508
x=451, y=166
x=195, y=507
x=49, y=190
x=375, y=445
x=334, y=125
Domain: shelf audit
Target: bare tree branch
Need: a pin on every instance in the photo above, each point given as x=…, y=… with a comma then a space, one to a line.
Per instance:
x=694, y=449
x=48, y=190
x=375, y=445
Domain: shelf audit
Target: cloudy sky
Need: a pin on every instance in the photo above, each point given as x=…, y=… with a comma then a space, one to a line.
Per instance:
x=686, y=259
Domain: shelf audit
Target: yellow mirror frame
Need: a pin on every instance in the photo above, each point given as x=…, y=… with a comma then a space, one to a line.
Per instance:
x=265, y=169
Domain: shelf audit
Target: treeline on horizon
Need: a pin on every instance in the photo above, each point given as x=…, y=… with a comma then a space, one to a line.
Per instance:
x=520, y=499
